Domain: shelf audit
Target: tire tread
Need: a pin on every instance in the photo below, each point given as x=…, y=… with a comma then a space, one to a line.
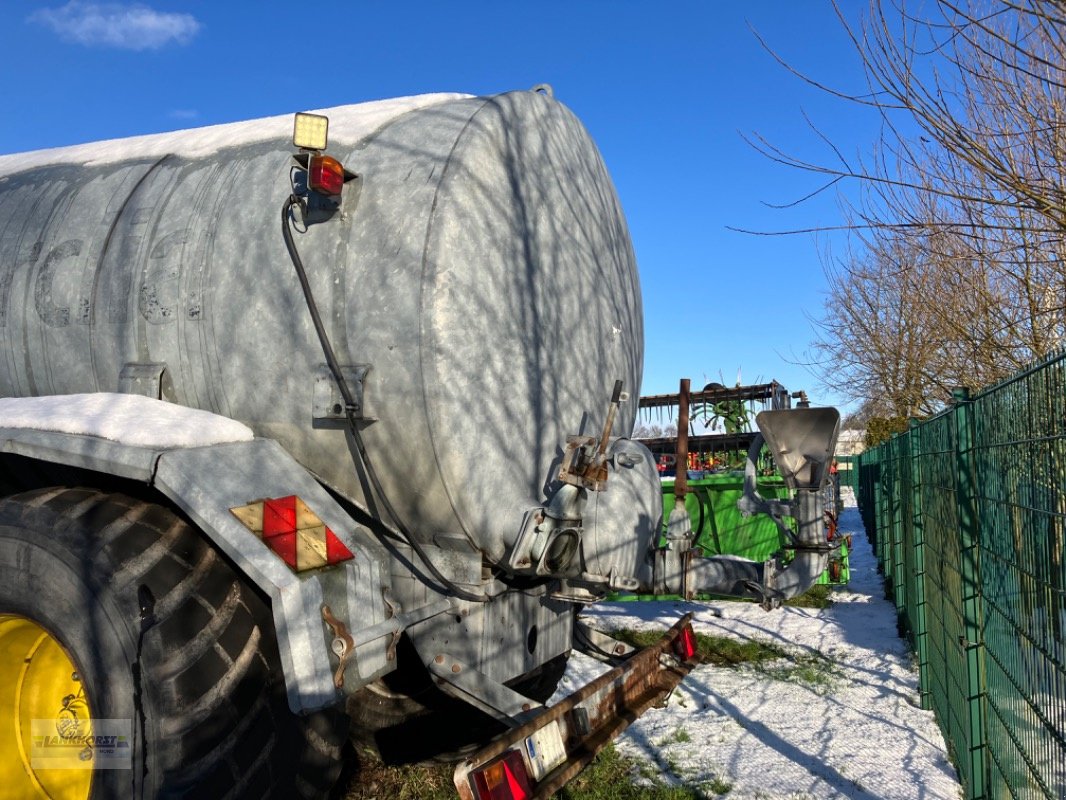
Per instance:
x=209, y=664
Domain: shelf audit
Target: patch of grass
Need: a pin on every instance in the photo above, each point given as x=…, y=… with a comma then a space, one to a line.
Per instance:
x=717, y=787
x=780, y=663
x=610, y=777
x=376, y=781
x=681, y=736
x=721, y=651
x=810, y=669
x=818, y=596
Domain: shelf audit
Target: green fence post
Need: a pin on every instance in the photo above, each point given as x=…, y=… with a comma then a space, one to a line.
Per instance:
x=971, y=641
x=899, y=444
x=885, y=488
x=921, y=630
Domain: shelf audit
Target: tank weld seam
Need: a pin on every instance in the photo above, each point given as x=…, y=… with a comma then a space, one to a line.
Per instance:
x=107, y=244
x=422, y=366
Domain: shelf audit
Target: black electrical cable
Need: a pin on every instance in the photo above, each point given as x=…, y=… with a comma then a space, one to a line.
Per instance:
x=586, y=640
x=400, y=530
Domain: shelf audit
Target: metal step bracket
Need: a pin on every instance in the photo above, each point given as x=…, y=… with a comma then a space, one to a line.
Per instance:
x=327, y=403
x=462, y=681
x=600, y=646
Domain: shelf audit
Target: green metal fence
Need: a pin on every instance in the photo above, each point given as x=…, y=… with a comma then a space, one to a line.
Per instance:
x=967, y=515
x=849, y=471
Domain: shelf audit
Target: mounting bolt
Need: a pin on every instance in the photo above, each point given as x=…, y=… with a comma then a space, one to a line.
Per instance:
x=456, y=669
x=439, y=659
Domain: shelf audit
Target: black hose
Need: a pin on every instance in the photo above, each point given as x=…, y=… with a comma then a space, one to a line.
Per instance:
x=400, y=530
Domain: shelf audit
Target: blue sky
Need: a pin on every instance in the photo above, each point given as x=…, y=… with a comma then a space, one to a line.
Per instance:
x=665, y=88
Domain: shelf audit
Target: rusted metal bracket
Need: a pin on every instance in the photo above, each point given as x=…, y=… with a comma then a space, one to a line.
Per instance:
x=391, y=609
x=591, y=717
x=343, y=645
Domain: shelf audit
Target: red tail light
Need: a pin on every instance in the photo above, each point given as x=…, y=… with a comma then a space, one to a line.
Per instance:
x=503, y=779
x=685, y=644
x=326, y=175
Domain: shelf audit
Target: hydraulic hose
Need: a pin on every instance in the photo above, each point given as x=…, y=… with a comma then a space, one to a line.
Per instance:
x=399, y=531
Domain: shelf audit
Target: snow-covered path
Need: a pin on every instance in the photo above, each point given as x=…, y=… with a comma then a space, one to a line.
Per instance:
x=837, y=720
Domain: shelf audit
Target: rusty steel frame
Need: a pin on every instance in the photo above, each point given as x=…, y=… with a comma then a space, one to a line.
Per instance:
x=761, y=391
x=593, y=715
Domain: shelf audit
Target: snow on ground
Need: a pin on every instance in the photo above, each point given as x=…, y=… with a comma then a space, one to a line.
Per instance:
x=840, y=720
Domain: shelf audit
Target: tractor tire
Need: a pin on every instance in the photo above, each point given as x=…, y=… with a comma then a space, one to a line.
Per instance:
x=164, y=636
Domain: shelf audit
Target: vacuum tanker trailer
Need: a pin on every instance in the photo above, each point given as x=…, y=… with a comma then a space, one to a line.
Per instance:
x=311, y=438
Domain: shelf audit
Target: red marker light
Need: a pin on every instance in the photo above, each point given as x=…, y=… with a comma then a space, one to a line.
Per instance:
x=325, y=175
x=503, y=779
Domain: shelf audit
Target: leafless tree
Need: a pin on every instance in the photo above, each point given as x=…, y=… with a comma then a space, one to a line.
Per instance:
x=956, y=272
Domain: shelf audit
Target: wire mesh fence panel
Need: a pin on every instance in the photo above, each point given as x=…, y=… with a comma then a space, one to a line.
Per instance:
x=967, y=511
x=949, y=682
x=1021, y=465
x=913, y=563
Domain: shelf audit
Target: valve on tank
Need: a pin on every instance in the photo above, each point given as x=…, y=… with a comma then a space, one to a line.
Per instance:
x=550, y=543
x=585, y=460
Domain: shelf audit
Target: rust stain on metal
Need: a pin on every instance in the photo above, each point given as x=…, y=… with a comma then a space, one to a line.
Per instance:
x=681, y=468
x=390, y=611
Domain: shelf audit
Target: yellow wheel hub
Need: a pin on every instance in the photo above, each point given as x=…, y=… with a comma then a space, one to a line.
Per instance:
x=44, y=716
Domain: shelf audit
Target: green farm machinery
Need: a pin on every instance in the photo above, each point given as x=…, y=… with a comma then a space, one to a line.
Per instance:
x=727, y=454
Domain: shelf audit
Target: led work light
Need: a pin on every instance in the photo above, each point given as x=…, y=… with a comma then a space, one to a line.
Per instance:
x=309, y=131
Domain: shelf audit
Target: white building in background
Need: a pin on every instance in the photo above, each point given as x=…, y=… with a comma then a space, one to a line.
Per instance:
x=851, y=442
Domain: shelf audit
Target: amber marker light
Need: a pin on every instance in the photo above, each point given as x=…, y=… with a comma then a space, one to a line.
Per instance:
x=326, y=175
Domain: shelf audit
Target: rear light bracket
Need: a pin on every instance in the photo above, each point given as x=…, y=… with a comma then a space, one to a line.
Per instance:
x=587, y=720
x=316, y=207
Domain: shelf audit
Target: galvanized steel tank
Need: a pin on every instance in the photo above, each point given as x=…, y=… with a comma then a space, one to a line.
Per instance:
x=482, y=268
